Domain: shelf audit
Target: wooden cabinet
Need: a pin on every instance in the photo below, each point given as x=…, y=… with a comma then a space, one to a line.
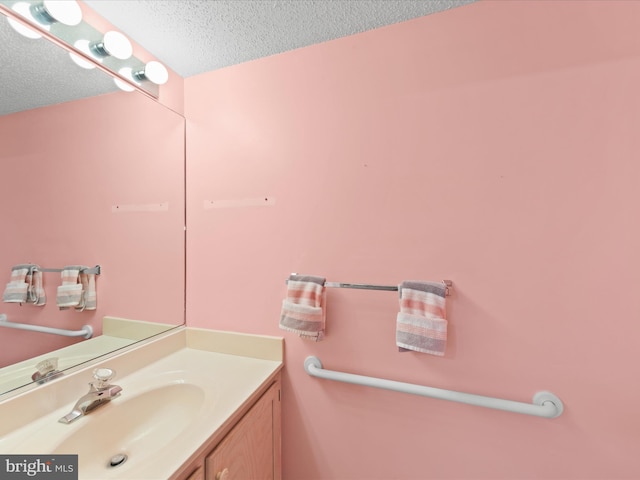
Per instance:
x=251, y=448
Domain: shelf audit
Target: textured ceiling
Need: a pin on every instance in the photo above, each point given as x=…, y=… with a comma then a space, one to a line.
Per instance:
x=196, y=36
x=192, y=37
x=36, y=73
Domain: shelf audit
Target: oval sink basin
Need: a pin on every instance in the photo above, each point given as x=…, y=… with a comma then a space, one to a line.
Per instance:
x=135, y=427
x=167, y=410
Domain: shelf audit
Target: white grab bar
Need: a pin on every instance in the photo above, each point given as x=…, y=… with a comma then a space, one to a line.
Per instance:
x=86, y=331
x=545, y=404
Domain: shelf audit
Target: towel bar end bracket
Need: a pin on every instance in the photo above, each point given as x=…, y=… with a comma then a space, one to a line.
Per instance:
x=312, y=362
x=88, y=331
x=540, y=398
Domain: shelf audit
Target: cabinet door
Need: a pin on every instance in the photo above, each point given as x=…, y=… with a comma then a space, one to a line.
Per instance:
x=251, y=449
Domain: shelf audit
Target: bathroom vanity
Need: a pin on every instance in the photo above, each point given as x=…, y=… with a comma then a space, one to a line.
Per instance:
x=249, y=450
x=195, y=404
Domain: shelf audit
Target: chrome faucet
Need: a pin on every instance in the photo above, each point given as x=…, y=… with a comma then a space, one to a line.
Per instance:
x=100, y=392
x=47, y=370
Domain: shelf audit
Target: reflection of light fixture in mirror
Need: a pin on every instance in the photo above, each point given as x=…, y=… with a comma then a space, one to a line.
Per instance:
x=125, y=72
x=83, y=46
x=23, y=9
x=153, y=71
x=112, y=44
x=46, y=13
x=67, y=12
x=61, y=21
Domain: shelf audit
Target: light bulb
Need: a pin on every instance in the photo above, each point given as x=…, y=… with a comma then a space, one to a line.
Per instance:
x=153, y=71
x=127, y=73
x=83, y=46
x=67, y=12
x=113, y=44
x=23, y=9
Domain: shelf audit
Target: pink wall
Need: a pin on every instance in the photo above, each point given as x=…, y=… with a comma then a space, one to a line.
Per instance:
x=495, y=145
x=63, y=169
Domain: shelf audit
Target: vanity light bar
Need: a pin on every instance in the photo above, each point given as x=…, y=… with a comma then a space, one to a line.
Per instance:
x=110, y=51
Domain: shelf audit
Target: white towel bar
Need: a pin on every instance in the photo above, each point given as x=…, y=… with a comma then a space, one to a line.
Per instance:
x=545, y=404
x=86, y=331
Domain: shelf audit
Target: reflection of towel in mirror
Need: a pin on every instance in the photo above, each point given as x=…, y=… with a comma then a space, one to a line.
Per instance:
x=17, y=289
x=69, y=294
x=36, y=293
x=89, y=300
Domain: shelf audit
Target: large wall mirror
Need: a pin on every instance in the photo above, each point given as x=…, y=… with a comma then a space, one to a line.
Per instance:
x=89, y=175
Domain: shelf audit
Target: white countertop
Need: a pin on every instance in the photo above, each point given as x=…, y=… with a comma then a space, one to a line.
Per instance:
x=204, y=387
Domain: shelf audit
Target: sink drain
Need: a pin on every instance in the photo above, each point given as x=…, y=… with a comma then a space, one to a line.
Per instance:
x=117, y=460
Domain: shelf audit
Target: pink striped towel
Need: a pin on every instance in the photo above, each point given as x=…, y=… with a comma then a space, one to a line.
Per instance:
x=70, y=293
x=303, y=310
x=89, y=299
x=17, y=289
x=421, y=325
x=36, y=293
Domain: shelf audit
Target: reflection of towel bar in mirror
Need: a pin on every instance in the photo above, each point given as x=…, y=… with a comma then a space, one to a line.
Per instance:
x=86, y=270
x=366, y=286
x=86, y=331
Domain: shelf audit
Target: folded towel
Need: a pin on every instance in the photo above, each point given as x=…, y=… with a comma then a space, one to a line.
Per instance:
x=17, y=289
x=36, y=293
x=69, y=294
x=89, y=300
x=303, y=310
x=421, y=325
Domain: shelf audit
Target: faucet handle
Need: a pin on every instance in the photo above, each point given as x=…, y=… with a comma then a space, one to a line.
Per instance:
x=103, y=376
x=47, y=365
